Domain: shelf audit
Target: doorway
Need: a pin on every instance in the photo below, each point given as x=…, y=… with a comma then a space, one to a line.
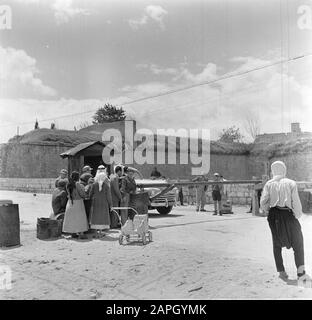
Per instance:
x=94, y=162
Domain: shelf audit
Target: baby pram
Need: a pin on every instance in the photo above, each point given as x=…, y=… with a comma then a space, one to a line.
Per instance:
x=135, y=229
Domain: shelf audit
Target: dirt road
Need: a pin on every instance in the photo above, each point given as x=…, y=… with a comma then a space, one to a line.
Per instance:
x=192, y=256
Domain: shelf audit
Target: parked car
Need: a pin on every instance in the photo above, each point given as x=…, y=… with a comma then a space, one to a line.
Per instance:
x=165, y=202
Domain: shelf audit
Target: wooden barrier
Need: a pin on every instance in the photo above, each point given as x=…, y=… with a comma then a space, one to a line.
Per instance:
x=169, y=185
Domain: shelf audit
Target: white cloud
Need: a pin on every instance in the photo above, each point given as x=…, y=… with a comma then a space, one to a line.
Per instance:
x=225, y=102
x=136, y=23
x=208, y=73
x=154, y=13
x=157, y=70
x=64, y=11
x=209, y=106
x=19, y=75
x=157, y=13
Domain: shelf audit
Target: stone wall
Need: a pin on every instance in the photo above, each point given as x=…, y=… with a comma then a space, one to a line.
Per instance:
x=299, y=166
x=44, y=161
x=27, y=185
x=232, y=167
x=239, y=194
x=31, y=160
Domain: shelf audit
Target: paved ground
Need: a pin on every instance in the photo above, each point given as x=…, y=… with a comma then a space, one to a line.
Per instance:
x=193, y=256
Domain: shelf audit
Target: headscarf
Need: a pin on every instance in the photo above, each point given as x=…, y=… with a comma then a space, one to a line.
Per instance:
x=101, y=169
x=101, y=178
x=278, y=170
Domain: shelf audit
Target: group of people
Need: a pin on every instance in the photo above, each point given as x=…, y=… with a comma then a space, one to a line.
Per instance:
x=217, y=190
x=86, y=201
x=87, y=204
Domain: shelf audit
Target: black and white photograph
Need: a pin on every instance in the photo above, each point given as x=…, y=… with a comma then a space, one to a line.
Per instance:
x=155, y=150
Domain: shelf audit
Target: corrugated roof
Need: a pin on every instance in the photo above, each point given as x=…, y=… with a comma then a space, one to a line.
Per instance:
x=82, y=146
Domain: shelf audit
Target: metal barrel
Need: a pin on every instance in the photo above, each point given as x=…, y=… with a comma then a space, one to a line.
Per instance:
x=9, y=224
x=48, y=228
x=140, y=202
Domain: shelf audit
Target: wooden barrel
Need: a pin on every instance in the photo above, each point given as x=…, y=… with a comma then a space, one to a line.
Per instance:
x=140, y=202
x=9, y=225
x=48, y=228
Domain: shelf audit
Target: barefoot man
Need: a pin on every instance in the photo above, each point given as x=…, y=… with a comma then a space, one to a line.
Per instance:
x=280, y=199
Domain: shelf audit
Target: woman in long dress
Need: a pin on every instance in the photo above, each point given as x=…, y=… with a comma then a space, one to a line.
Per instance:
x=101, y=198
x=75, y=220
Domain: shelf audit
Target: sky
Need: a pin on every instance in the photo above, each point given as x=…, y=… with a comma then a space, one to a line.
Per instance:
x=60, y=60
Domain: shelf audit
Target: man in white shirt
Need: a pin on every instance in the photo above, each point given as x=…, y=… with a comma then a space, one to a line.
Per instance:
x=280, y=200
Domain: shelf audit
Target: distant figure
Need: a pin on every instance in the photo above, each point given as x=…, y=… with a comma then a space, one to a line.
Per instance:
x=86, y=175
x=155, y=173
x=280, y=200
x=180, y=197
x=59, y=198
x=216, y=194
x=36, y=125
x=128, y=186
x=101, y=203
x=258, y=188
x=201, y=193
x=75, y=220
x=63, y=176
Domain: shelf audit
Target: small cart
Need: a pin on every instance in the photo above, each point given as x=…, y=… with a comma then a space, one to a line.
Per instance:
x=135, y=230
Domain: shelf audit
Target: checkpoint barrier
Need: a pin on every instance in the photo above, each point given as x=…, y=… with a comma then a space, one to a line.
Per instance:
x=169, y=185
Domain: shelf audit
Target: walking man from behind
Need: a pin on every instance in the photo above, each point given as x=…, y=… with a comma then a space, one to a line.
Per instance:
x=280, y=200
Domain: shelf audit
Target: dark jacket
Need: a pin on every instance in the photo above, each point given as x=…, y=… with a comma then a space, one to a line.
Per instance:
x=115, y=189
x=128, y=185
x=59, y=201
x=84, y=178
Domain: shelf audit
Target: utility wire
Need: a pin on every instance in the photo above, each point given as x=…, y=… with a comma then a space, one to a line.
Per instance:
x=229, y=76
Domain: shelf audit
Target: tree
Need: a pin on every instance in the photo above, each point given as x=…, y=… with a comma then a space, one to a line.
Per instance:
x=252, y=125
x=36, y=125
x=109, y=113
x=231, y=134
x=52, y=125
